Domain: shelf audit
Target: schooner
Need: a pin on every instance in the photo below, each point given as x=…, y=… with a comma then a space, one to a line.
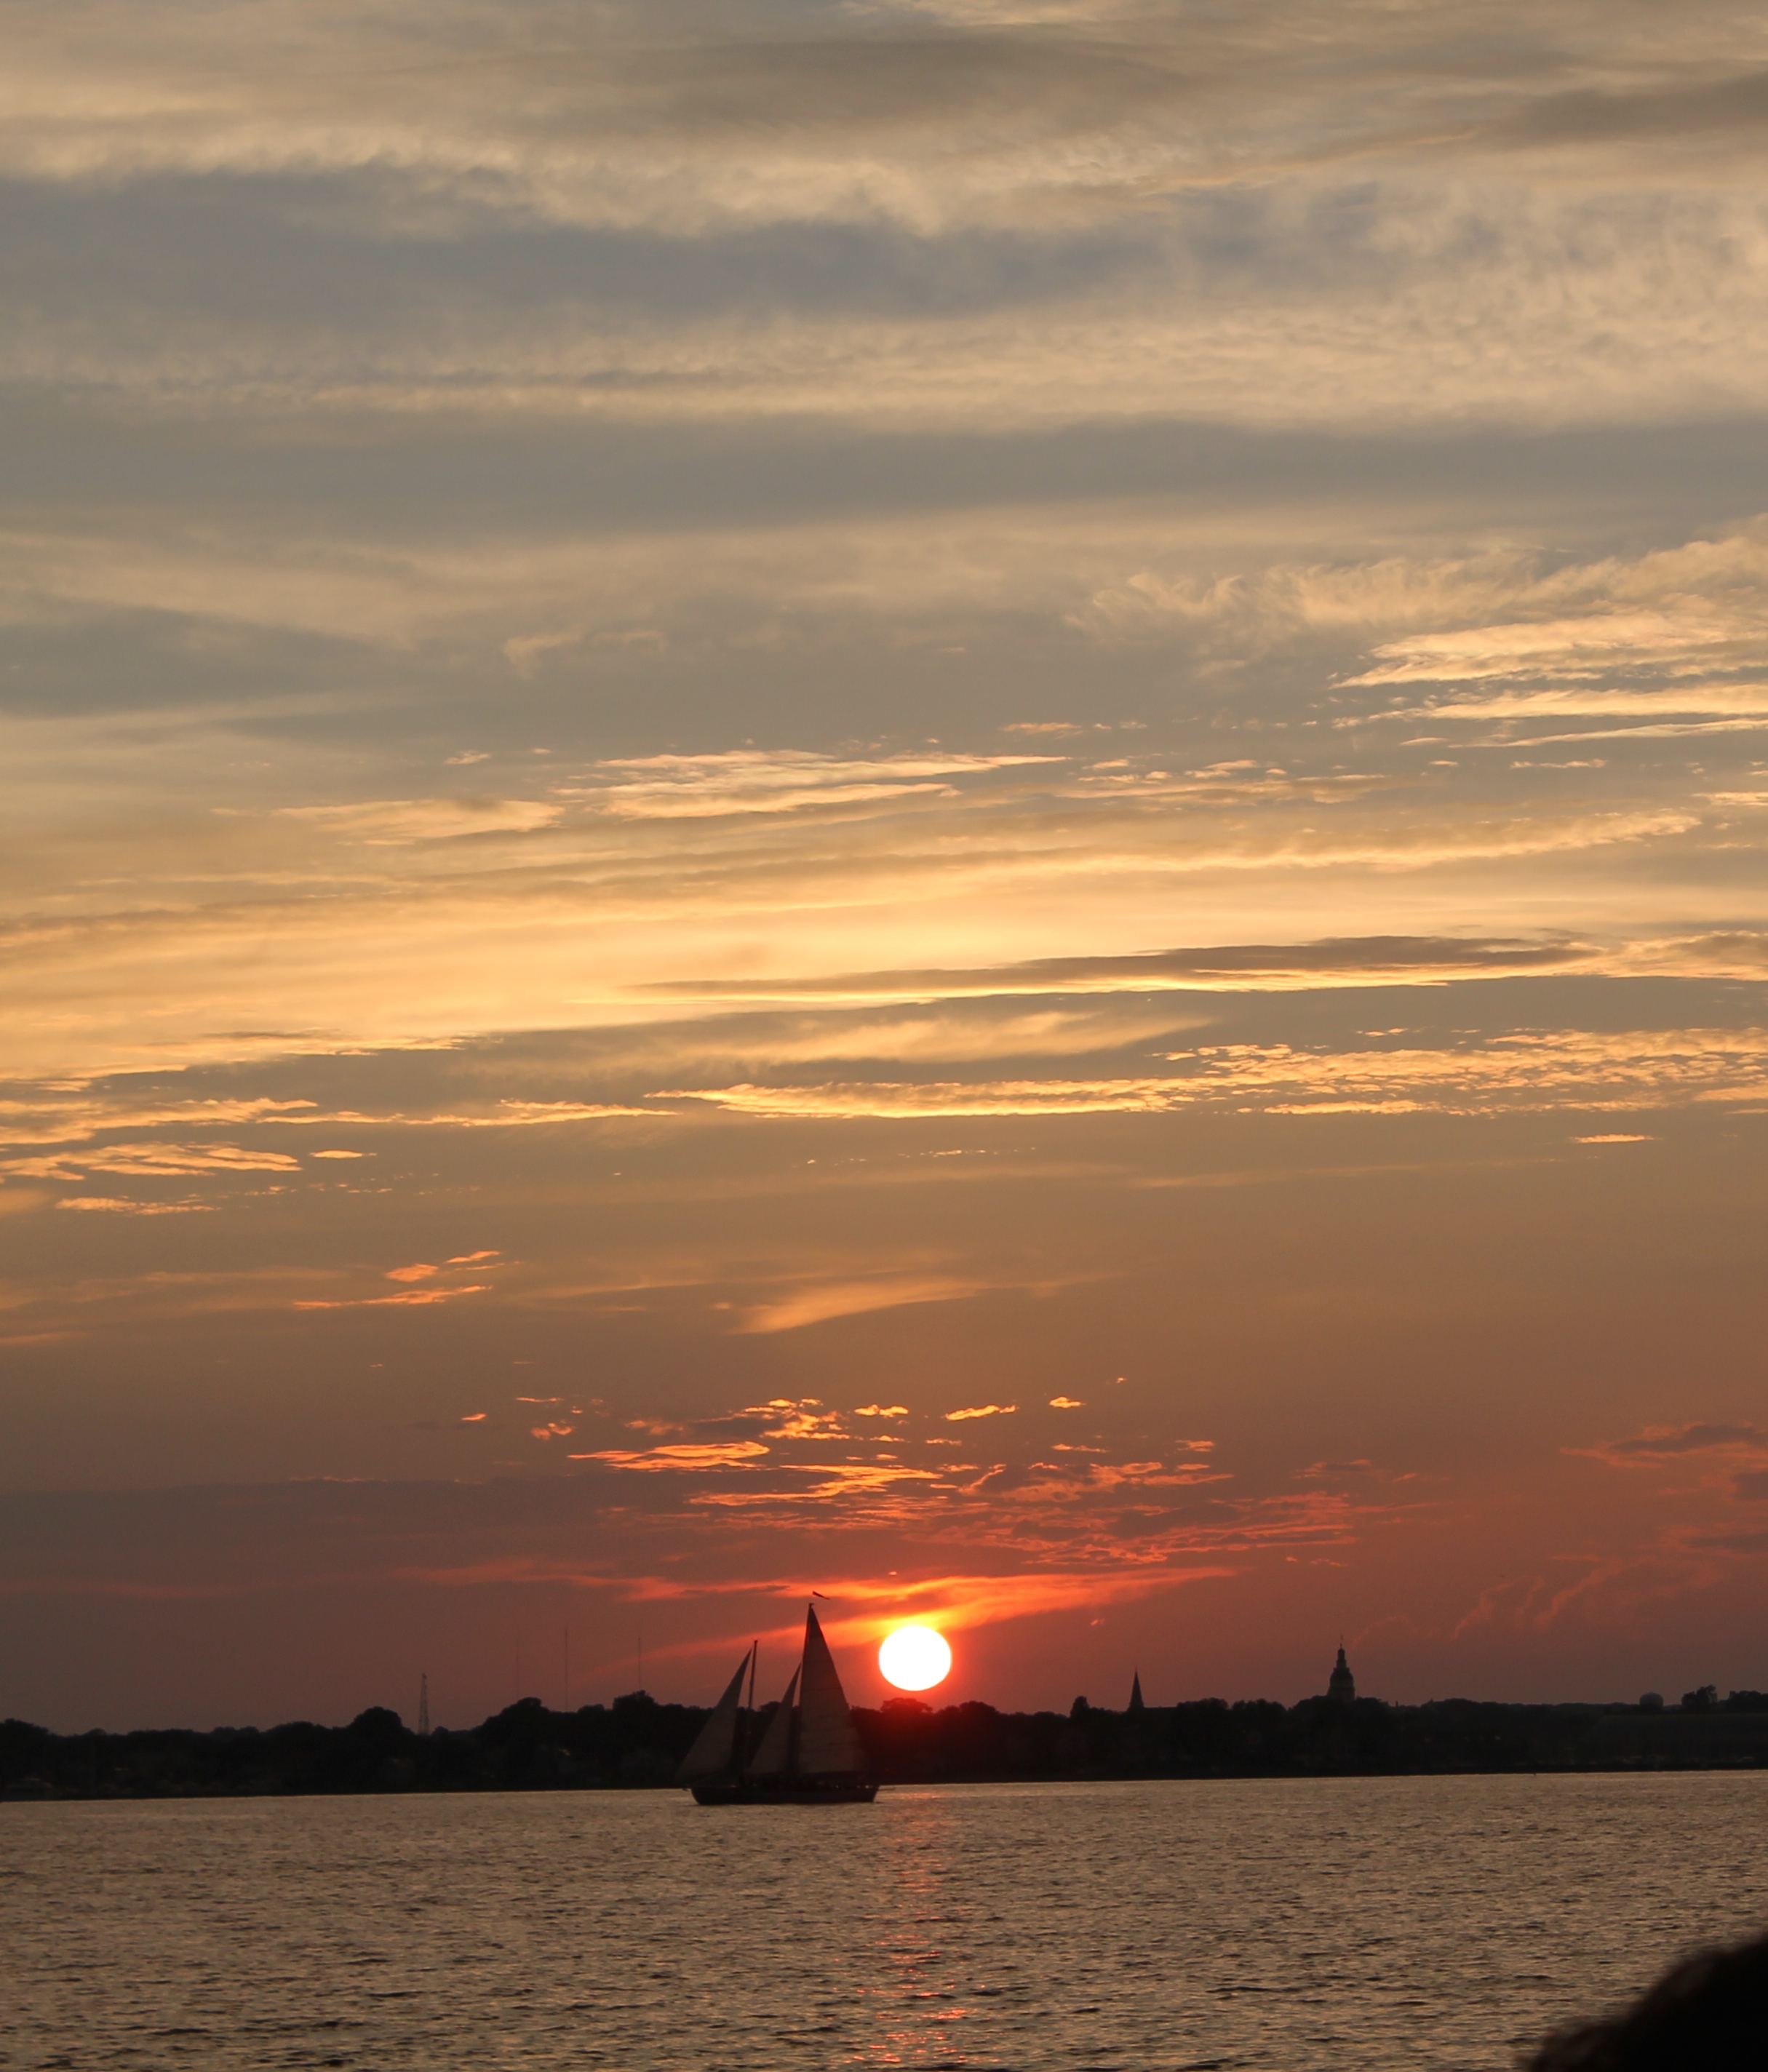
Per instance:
x=808, y=1754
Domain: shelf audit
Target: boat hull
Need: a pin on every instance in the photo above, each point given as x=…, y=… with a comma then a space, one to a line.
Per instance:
x=799, y=1791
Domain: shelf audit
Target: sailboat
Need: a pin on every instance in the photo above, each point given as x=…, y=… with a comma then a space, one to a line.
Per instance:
x=809, y=1753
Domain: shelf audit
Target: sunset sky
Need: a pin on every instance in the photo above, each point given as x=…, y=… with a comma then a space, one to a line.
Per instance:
x=963, y=800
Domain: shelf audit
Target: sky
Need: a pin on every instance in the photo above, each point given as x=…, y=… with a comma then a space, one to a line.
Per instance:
x=962, y=801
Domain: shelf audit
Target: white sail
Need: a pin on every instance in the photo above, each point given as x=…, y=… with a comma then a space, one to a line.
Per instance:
x=714, y=1751
x=828, y=1743
x=773, y=1757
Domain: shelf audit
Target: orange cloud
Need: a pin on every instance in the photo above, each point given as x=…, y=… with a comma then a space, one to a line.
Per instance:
x=750, y=781
x=418, y=1299
x=1526, y=1070
x=805, y=1419
x=854, y=1479
x=819, y=1304
x=887, y=1099
x=961, y=1602
x=692, y=1459
x=378, y=822
x=180, y=1159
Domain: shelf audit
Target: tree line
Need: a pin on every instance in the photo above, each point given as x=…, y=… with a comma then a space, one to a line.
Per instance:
x=636, y=1742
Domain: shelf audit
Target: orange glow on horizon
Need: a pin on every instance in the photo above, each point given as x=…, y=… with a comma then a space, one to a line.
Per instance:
x=914, y=1658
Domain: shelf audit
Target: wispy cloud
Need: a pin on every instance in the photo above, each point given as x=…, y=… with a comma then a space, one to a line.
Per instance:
x=419, y=1298
x=1660, y=1443
x=963, y=1603
x=954, y=1098
x=154, y=1160
x=1355, y=961
x=780, y=781
x=739, y=1454
x=401, y=821
x=1567, y=1068
x=72, y=1115
x=819, y=1303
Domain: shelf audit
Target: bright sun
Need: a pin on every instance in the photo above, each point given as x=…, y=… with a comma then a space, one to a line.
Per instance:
x=914, y=1658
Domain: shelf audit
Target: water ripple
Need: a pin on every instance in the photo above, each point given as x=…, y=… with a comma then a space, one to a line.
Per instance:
x=1434, y=1924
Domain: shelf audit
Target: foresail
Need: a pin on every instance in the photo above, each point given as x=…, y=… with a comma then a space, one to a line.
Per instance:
x=714, y=1751
x=827, y=1740
x=775, y=1754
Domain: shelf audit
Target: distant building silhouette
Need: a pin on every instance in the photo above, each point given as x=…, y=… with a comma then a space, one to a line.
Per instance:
x=1136, y=1704
x=1342, y=1685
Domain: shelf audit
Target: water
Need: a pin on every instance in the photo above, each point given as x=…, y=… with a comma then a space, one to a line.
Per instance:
x=1424, y=1922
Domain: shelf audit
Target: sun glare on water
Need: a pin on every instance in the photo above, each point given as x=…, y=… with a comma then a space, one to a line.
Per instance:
x=914, y=1658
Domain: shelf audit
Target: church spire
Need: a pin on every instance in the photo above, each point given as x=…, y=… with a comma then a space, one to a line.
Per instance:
x=1136, y=1704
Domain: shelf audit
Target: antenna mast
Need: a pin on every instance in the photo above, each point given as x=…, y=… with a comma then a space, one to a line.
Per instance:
x=423, y=1704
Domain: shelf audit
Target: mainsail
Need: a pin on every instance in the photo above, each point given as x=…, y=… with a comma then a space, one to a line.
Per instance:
x=827, y=1743
x=714, y=1751
x=773, y=1757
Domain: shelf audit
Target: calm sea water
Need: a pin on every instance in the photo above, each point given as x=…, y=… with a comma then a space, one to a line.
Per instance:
x=1427, y=1923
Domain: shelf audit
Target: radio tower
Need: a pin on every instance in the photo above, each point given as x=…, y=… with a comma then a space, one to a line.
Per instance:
x=423, y=1704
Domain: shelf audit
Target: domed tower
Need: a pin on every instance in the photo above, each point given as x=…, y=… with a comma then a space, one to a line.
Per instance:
x=1342, y=1685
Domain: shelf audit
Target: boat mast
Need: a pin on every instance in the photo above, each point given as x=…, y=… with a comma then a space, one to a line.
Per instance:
x=797, y=1720
x=739, y=1755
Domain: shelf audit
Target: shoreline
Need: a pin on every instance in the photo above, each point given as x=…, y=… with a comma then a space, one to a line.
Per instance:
x=636, y=1743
